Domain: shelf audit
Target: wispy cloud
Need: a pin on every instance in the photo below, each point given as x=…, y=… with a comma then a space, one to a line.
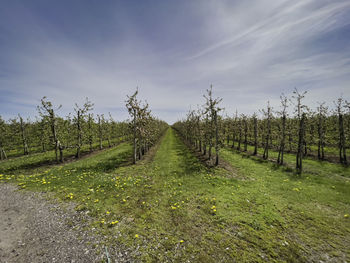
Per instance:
x=250, y=52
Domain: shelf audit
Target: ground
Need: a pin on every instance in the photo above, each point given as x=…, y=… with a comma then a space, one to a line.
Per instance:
x=172, y=208
x=34, y=229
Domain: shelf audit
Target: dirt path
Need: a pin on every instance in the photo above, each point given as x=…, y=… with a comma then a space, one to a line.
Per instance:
x=35, y=230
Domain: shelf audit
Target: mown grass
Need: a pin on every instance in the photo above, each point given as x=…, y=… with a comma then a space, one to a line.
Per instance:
x=37, y=149
x=172, y=208
x=26, y=163
x=310, y=165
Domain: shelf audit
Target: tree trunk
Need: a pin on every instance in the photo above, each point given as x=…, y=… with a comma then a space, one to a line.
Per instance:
x=24, y=139
x=90, y=132
x=216, y=138
x=281, y=148
x=320, y=148
x=100, y=131
x=3, y=155
x=61, y=151
x=54, y=134
x=79, y=135
x=266, y=149
x=239, y=135
x=255, y=136
x=299, y=161
x=342, y=148
x=134, y=141
x=245, y=135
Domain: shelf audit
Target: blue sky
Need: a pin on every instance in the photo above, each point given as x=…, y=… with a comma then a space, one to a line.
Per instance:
x=251, y=51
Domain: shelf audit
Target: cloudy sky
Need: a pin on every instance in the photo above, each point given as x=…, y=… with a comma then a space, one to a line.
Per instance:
x=251, y=51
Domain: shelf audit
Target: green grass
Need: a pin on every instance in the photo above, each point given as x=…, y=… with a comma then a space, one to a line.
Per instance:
x=26, y=163
x=172, y=208
x=310, y=165
x=17, y=151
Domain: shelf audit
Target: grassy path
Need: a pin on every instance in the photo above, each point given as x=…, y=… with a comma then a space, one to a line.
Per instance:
x=173, y=209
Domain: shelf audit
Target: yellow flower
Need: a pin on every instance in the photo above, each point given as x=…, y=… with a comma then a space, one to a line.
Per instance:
x=108, y=212
x=181, y=241
x=96, y=201
x=136, y=236
x=346, y=215
x=173, y=207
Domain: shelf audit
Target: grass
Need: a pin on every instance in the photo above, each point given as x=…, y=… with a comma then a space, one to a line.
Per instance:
x=26, y=164
x=310, y=165
x=37, y=149
x=172, y=208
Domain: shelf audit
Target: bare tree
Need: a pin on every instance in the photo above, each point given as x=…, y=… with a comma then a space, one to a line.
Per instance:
x=46, y=109
x=321, y=129
x=301, y=116
x=341, y=144
x=23, y=135
x=3, y=132
x=212, y=108
x=79, y=119
x=255, y=125
x=268, y=116
x=283, y=114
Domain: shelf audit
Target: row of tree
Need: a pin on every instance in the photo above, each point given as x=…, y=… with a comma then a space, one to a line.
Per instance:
x=294, y=128
x=50, y=131
x=145, y=128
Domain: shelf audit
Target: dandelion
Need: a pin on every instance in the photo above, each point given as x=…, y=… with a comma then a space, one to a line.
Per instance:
x=108, y=212
x=70, y=196
x=136, y=236
x=181, y=241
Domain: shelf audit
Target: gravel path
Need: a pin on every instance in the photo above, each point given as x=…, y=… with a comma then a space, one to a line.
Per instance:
x=33, y=229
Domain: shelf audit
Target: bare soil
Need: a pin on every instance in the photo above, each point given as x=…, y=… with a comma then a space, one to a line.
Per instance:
x=33, y=229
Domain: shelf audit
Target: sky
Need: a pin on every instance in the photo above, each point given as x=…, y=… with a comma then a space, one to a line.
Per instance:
x=250, y=51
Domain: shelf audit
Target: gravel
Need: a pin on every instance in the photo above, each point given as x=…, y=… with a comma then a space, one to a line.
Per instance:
x=33, y=229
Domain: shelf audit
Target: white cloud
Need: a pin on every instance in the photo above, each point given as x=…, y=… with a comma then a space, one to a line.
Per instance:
x=249, y=51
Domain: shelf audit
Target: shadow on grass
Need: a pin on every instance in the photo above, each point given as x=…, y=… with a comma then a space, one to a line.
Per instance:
x=103, y=165
x=274, y=165
x=29, y=165
x=106, y=165
x=190, y=163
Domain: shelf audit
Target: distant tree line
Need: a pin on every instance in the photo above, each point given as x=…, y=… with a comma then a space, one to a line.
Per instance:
x=322, y=133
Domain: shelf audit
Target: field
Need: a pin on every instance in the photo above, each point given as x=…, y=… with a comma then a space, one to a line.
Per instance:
x=170, y=207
